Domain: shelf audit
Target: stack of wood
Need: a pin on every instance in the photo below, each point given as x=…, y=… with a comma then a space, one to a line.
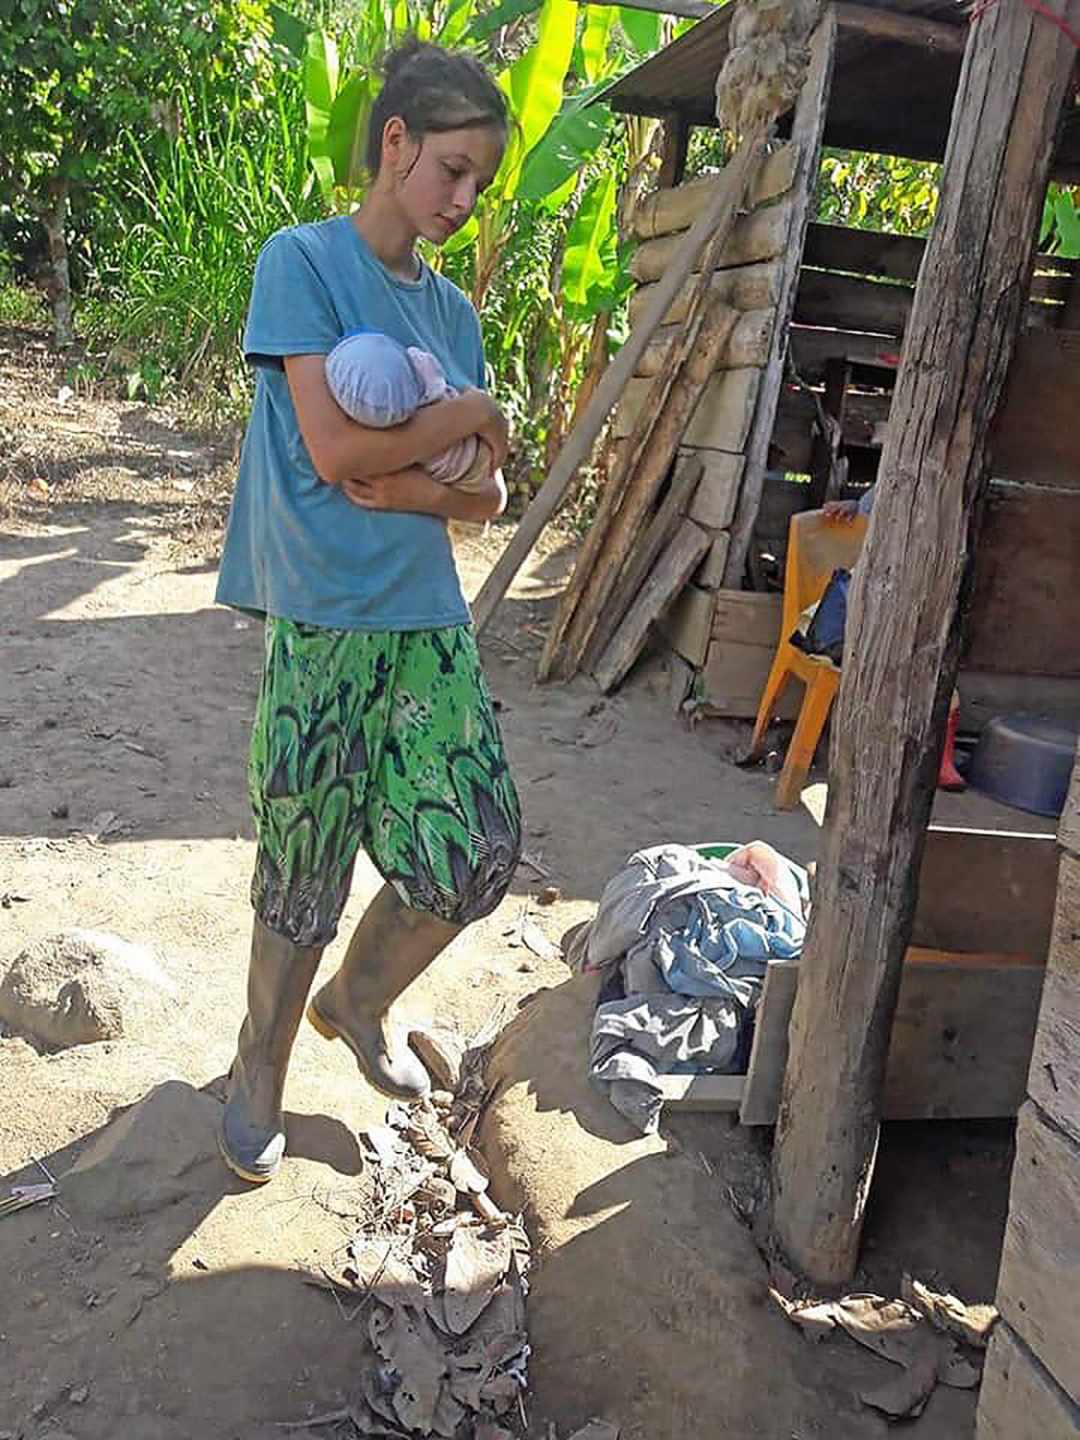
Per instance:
x=681, y=427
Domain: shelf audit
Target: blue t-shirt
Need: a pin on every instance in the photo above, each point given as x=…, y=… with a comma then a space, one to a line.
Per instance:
x=296, y=547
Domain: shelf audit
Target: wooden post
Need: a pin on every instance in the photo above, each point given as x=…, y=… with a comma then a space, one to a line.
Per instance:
x=903, y=627
x=808, y=129
x=676, y=142
x=825, y=451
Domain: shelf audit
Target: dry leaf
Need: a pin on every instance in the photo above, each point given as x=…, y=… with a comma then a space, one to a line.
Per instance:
x=597, y=1430
x=958, y=1373
x=449, y=1413
x=475, y=1267
x=385, y=1142
x=538, y=942
x=466, y=1176
x=405, y=1339
x=907, y=1394
x=500, y=1392
x=970, y=1323
x=427, y=1135
x=441, y=1052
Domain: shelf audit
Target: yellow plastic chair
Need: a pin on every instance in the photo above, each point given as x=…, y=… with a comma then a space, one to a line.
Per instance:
x=816, y=547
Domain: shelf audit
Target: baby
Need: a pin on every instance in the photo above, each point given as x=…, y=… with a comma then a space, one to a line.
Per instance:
x=379, y=382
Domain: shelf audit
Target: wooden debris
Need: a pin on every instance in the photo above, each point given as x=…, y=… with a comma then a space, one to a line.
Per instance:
x=708, y=234
x=674, y=568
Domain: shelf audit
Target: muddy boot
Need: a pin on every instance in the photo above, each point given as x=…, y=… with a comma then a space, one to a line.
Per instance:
x=252, y=1137
x=391, y=947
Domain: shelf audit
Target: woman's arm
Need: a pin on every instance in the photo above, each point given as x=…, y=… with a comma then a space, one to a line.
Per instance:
x=414, y=490
x=341, y=450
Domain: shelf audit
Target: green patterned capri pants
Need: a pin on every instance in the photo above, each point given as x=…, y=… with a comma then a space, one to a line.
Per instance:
x=382, y=740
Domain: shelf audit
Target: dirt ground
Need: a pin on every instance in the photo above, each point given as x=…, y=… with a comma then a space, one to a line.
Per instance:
x=125, y=701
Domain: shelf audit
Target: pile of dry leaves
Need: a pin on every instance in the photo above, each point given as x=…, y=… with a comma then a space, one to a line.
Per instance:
x=933, y=1338
x=435, y=1271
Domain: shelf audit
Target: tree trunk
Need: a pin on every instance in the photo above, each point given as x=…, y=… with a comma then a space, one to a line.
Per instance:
x=903, y=630
x=55, y=218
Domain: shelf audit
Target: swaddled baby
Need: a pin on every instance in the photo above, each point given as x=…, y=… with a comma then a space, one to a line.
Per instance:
x=379, y=382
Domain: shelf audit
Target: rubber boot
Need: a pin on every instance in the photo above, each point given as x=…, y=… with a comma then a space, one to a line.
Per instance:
x=391, y=947
x=949, y=778
x=252, y=1136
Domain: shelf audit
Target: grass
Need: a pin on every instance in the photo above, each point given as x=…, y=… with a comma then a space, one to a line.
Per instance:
x=173, y=298
x=22, y=306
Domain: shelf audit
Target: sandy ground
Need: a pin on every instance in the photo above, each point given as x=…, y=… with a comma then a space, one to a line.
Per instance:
x=125, y=702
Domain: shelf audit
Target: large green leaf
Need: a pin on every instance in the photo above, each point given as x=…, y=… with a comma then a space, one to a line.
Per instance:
x=576, y=132
x=591, y=255
x=320, y=87
x=289, y=30
x=505, y=13
x=456, y=21
x=594, y=40
x=1068, y=226
x=642, y=28
x=535, y=81
x=348, y=121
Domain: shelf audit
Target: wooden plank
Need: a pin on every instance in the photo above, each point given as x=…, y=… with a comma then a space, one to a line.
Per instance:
x=1015, y=877
x=984, y=695
x=1054, y=1081
x=960, y=1043
x=872, y=357
x=1069, y=825
x=748, y=345
x=662, y=527
x=850, y=302
x=670, y=574
x=1025, y=572
x=901, y=28
x=676, y=142
x=807, y=131
x=718, y=489
x=863, y=252
x=1039, y=1282
x=734, y=679
x=760, y=235
x=721, y=418
x=1035, y=436
x=702, y=1092
x=686, y=628
x=711, y=574
x=668, y=210
x=748, y=616
x=1019, y=1399
x=751, y=287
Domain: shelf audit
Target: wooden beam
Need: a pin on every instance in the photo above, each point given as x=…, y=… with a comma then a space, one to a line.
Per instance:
x=683, y=9
x=702, y=1092
x=904, y=628
x=900, y=28
x=807, y=131
x=1019, y=1399
x=676, y=142
x=670, y=574
x=958, y=1049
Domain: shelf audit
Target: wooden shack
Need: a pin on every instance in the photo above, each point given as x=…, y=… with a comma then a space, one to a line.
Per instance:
x=806, y=379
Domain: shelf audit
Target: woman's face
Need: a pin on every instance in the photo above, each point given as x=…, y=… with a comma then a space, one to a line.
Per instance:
x=438, y=179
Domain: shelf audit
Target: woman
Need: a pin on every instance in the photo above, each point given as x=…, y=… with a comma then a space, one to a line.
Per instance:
x=374, y=726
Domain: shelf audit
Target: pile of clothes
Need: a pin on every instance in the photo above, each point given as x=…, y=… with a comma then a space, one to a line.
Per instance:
x=683, y=941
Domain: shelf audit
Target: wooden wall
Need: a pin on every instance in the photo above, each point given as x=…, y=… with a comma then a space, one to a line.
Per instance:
x=1031, y=1383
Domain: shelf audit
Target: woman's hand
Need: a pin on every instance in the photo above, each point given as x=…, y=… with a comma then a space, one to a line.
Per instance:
x=491, y=426
x=415, y=492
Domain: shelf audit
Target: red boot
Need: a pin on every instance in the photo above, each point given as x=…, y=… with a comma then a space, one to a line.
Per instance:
x=949, y=778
